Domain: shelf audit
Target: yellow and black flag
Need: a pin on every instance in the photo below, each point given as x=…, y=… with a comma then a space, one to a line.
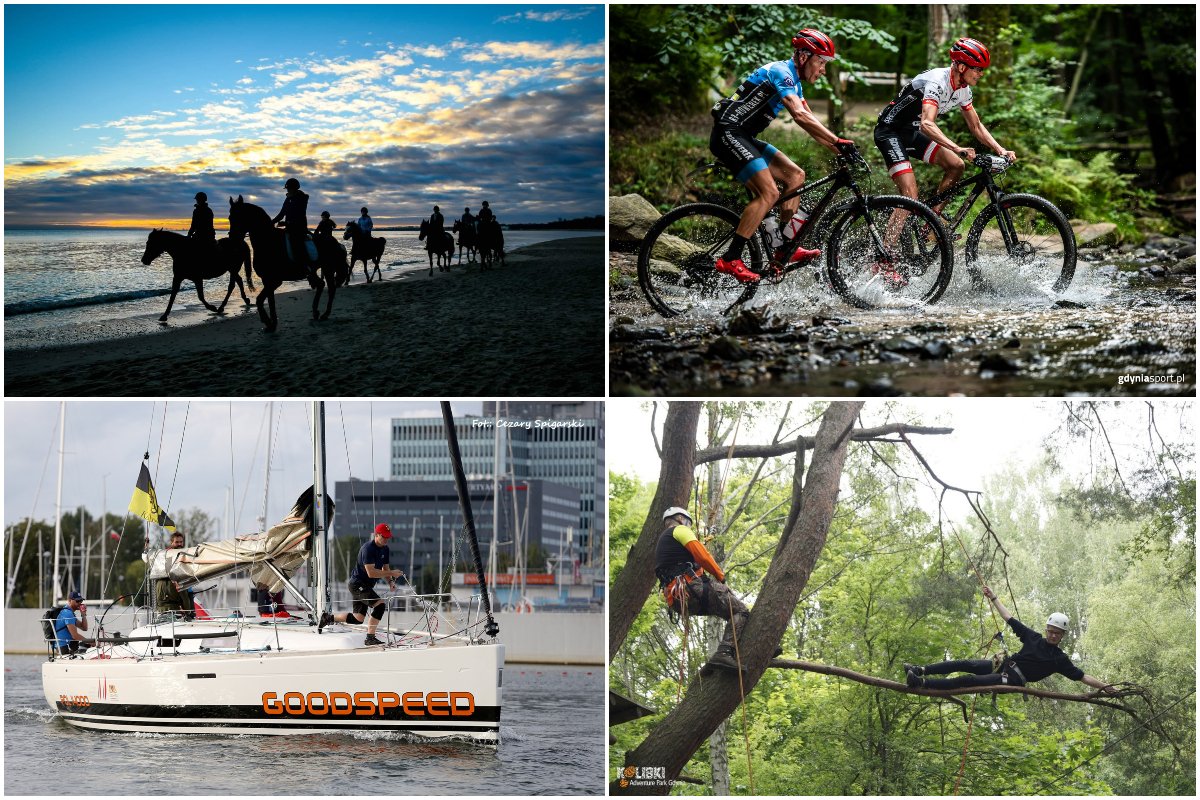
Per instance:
x=145, y=503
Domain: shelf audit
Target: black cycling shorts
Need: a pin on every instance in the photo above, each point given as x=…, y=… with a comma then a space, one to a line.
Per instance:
x=898, y=145
x=743, y=154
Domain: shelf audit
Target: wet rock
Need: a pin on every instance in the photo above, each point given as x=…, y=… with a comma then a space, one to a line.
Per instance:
x=1185, y=267
x=935, y=350
x=1188, y=250
x=880, y=387
x=891, y=358
x=830, y=321
x=903, y=344
x=1094, y=234
x=994, y=362
x=727, y=348
x=1156, y=271
x=754, y=321
x=624, y=320
x=1068, y=304
x=629, y=217
x=1012, y=344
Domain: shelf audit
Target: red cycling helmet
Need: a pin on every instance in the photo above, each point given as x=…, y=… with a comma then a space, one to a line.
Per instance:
x=814, y=41
x=971, y=52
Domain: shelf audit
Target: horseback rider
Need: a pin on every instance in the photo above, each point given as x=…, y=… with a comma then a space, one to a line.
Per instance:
x=295, y=221
x=326, y=226
x=468, y=220
x=485, y=215
x=437, y=223
x=365, y=224
x=202, y=232
x=693, y=583
x=1038, y=658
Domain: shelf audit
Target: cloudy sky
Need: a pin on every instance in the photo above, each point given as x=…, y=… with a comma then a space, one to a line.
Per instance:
x=118, y=115
x=199, y=451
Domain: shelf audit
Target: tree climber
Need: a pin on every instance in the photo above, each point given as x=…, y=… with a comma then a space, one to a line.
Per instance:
x=683, y=566
x=1038, y=658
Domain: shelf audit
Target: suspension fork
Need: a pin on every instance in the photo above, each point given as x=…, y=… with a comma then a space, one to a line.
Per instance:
x=1004, y=220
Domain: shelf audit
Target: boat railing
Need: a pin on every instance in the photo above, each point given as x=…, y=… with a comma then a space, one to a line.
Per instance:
x=439, y=617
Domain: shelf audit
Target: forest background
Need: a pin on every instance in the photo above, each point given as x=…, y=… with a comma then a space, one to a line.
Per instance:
x=1103, y=532
x=1098, y=101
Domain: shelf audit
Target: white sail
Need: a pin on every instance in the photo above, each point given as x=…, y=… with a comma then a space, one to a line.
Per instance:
x=286, y=546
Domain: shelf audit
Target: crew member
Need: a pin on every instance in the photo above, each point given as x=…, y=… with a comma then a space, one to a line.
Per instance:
x=71, y=620
x=373, y=563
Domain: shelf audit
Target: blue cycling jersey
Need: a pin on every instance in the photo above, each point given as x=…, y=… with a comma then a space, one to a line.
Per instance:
x=759, y=98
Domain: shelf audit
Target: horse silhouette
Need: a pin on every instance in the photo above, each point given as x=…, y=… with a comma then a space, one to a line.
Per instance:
x=364, y=248
x=466, y=240
x=444, y=249
x=192, y=261
x=274, y=267
x=491, y=243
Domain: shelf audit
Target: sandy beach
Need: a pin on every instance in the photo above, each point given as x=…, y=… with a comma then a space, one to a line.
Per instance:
x=534, y=327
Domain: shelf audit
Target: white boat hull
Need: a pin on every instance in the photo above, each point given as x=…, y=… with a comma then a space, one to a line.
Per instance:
x=447, y=690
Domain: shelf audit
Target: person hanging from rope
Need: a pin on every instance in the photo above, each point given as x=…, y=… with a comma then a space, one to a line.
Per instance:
x=1038, y=658
x=694, y=584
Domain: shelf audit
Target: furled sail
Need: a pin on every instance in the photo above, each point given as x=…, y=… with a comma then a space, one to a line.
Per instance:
x=286, y=545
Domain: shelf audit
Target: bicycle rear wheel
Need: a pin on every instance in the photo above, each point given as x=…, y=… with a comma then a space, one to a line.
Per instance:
x=676, y=263
x=1040, y=245
x=894, y=251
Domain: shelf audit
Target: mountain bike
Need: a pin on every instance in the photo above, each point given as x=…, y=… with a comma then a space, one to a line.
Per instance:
x=878, y=248
x=1025, y=230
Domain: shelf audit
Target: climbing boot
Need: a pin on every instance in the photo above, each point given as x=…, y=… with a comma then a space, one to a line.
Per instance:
x=371, y=640
x=723, y=661
x=914, y=669
x=326, y=619
x=912, y=679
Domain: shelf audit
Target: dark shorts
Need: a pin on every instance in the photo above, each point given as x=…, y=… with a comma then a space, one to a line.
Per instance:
x=898, y=145
x=361, y=595
x=744, y=155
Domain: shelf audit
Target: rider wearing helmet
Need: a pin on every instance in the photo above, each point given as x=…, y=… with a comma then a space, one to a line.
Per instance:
x=295, y=220
x=683, y=567
x=737, y=121
x=365, y=224
x=1038, y=658
x=907, y=126
x=326, y=226
x=202, y=221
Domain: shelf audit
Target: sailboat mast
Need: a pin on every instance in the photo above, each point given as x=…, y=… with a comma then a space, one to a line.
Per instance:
x=464, y=502
x=62, y=446
x=320, y=534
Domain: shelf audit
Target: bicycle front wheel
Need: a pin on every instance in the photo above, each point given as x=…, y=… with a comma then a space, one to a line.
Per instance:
x=677, y=261
x=1030, y=234
x=894, y=250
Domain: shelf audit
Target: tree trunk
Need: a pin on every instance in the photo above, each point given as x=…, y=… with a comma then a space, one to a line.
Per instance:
x=1160, y=139
x=711, y=700
x=633, y=585
x=946, y=22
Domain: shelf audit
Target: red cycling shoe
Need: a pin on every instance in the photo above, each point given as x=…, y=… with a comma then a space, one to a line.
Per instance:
x=799, y=254
x=738, y=269
x=890, y=274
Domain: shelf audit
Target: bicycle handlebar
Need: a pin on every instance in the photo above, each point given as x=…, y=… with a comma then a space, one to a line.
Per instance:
x=991, y=163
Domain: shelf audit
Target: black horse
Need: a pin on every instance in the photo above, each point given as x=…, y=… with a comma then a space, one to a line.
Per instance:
x=466, y=240
x=364, y=248
x=491, y=243
x=274, y=267
x=195, y=262
x=444, y=249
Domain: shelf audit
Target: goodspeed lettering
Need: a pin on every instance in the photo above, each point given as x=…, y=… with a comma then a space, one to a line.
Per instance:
x=368, y=704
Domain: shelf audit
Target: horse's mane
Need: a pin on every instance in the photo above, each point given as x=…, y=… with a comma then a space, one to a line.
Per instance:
x=249, y=208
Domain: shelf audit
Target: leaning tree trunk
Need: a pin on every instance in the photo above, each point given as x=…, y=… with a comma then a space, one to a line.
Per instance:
x=634, y=583
x=711, y=700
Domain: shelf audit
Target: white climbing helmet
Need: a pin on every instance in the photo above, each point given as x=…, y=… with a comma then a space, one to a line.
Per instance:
x=673, y=510
x=1058, y=620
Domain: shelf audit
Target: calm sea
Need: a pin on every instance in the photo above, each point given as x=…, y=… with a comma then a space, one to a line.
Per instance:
x=552, y=742
x=93, y=282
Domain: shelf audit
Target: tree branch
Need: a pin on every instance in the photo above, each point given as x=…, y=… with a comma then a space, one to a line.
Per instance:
x=883, y=683
x=808, y=442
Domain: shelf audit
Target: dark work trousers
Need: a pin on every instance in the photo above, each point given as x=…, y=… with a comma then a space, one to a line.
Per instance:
x=982, y=674
x=709, y=598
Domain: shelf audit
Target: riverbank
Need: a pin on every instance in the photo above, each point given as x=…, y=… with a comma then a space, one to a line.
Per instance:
x=533, y=327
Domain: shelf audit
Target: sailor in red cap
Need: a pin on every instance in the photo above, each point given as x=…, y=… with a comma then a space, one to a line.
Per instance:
x=374, y=562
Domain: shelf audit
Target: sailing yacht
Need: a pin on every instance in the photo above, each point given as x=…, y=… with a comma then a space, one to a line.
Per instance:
x=288, y=675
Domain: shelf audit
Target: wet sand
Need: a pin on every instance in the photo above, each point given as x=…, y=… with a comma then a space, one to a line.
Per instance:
x=534, y=327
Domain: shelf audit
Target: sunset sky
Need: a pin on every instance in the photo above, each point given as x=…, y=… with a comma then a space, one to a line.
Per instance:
x=118, y=115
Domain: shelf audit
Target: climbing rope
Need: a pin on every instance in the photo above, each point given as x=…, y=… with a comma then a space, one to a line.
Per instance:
x=737, y=653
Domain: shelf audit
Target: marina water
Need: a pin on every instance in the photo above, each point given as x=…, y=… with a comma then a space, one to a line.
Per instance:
x=552, y=742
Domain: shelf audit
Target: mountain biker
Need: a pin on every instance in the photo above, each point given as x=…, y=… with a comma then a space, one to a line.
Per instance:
x=907, y=126
x=737, y=121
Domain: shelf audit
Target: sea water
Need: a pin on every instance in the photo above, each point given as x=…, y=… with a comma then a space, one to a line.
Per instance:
x=60, y=279
x=551, y=730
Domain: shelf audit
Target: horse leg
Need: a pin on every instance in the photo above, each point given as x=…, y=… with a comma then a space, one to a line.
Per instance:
x=378, y=274
x=329, y=299
x=233, y=278
x=200, y=293
x=430, y=254
x=174, y=291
